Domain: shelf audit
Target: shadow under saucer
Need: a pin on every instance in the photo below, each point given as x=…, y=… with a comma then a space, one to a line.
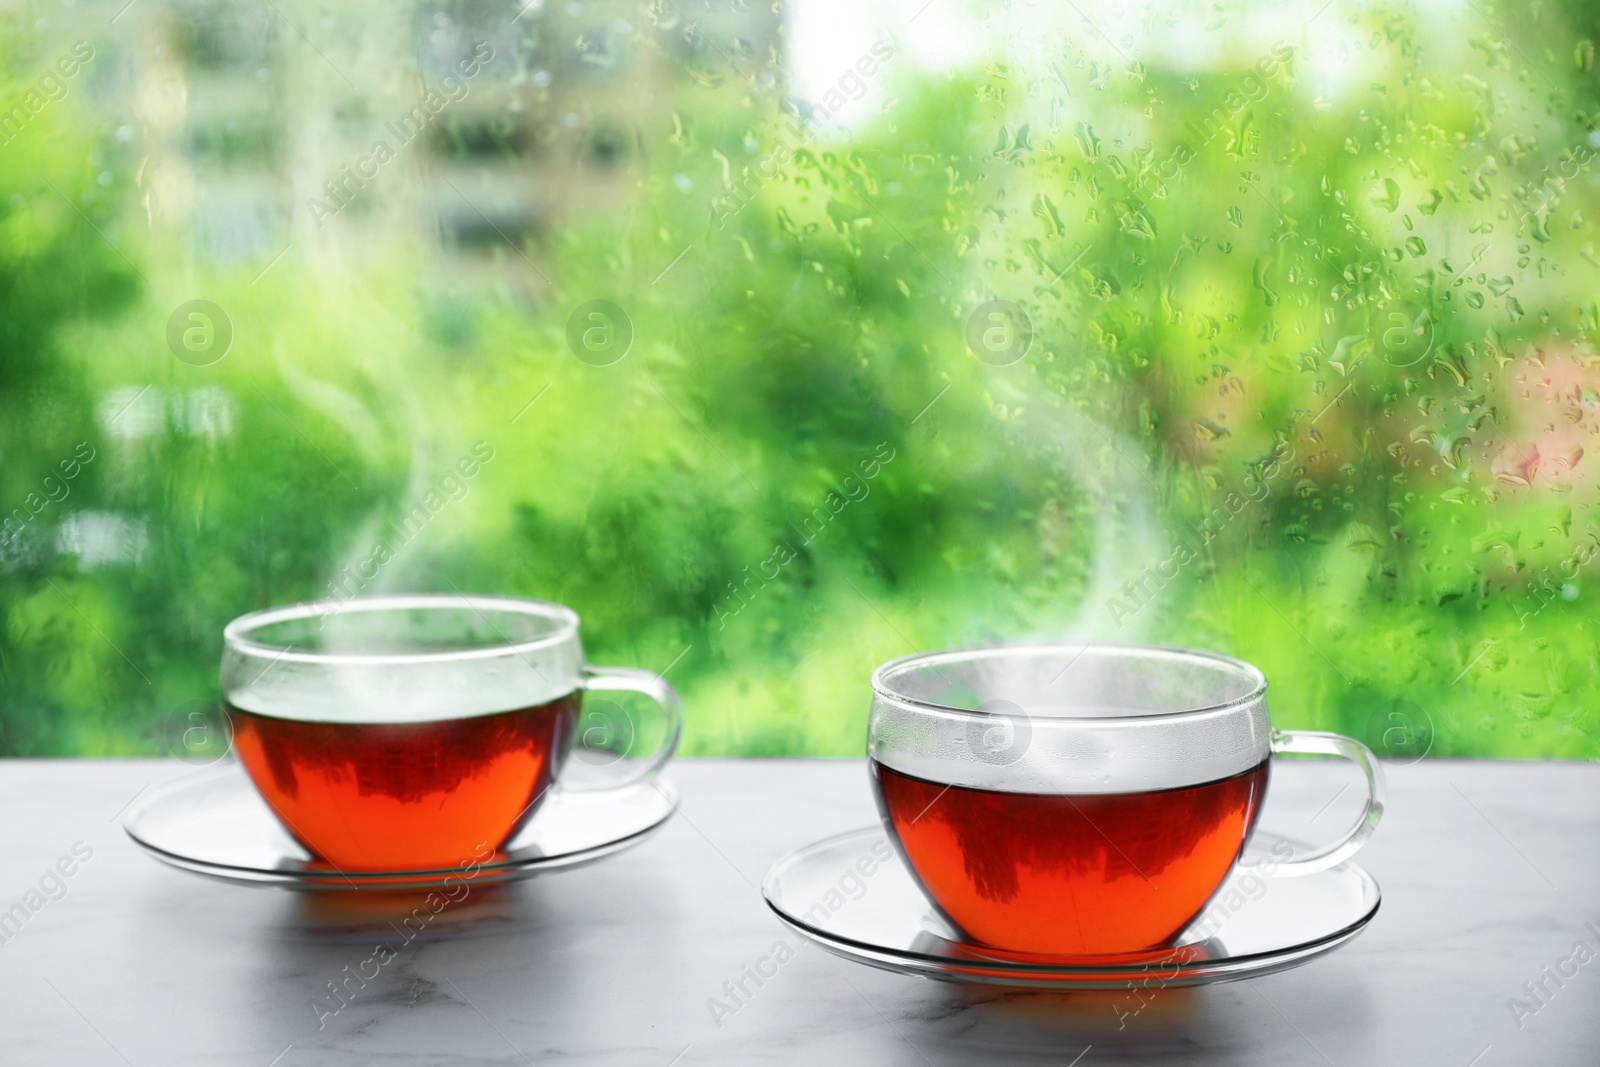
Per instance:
x=411, y=914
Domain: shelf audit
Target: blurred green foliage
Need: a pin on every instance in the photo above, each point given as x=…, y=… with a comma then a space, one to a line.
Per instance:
x=1365, y=250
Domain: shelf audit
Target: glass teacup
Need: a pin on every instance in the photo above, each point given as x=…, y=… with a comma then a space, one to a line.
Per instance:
x=416, y=732
x=1082, y=800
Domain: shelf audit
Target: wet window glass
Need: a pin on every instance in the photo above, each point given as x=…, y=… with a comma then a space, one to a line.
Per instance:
x=781, y=339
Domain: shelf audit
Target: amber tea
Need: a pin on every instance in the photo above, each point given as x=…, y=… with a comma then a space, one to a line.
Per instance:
x=1070, y=875
x=425, y=795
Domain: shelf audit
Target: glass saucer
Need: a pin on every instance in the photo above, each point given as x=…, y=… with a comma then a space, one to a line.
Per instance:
x=853, y=895
x=215, y=823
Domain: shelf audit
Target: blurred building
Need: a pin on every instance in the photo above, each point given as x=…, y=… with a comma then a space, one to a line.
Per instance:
x=463, y=128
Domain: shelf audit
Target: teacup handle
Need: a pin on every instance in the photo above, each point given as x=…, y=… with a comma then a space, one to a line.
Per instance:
x=1317, y=743
x=631, y=680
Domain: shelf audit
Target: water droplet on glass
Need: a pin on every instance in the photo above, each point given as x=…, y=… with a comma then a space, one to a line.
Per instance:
x=1387, y=195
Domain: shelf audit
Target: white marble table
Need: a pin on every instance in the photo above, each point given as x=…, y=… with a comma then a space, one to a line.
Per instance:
x=1490, y=872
